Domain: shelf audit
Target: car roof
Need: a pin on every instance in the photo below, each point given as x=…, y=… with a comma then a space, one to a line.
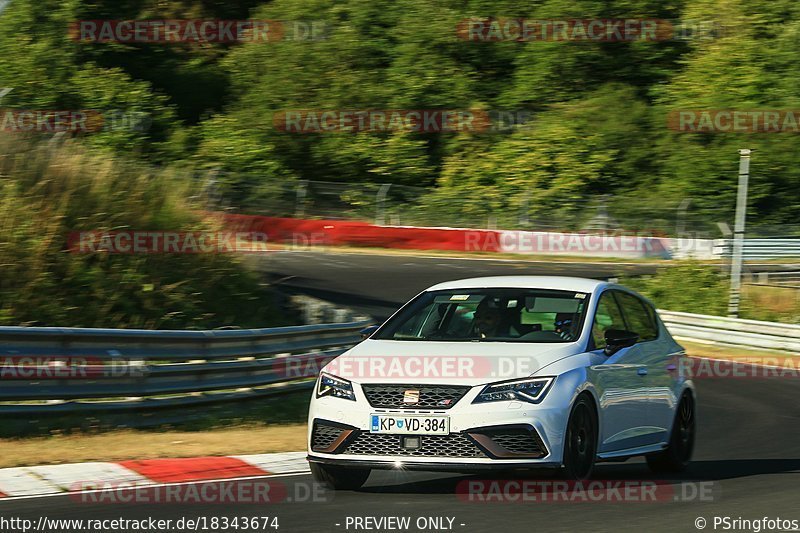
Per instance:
x=563, y=283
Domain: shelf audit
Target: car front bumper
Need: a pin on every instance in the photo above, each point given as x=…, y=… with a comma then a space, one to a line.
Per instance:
x=494, y=435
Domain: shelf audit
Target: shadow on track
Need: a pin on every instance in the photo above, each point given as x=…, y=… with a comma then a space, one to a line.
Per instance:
x=403, y=483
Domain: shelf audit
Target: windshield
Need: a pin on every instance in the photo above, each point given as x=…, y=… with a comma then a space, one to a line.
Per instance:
x=501, y=315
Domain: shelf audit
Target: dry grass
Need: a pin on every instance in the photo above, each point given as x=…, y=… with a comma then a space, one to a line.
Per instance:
x=129, y=444
x=772, y=303
x=47, y=193
x=768, y=357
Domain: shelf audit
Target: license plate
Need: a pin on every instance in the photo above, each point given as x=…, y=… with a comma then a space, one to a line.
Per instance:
x=410, y=424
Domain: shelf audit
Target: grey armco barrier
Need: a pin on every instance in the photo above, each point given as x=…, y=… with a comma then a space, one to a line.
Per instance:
x=735, y=332
x=75, y=370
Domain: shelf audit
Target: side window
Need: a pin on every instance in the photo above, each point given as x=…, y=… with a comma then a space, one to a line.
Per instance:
x=638, y=316
x=608, y=316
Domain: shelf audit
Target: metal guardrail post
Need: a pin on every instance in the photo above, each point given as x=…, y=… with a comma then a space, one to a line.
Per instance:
x=380, y=204
x=738, y=233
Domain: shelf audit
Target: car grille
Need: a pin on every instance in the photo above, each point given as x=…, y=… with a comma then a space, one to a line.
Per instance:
x=323, y=436
x=509, y=442
x=430, y=396
x=519, y=441
x=452, y=445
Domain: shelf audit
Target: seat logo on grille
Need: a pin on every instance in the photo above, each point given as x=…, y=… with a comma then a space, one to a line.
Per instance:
x=411, y=396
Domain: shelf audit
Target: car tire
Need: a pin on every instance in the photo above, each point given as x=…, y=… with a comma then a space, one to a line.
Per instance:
x=580, y=443
x=678, y=452
x=339, y=478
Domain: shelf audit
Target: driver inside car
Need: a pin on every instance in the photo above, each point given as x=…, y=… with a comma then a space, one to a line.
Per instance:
x=490, y=321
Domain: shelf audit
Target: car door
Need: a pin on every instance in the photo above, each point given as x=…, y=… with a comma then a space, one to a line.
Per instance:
x=620, y=380
x=641, y=319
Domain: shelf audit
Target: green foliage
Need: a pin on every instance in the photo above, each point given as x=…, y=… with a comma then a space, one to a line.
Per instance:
x=599, y=110
x=598, y=123
x=46, y=193
x=689, y=287
x=694, y=287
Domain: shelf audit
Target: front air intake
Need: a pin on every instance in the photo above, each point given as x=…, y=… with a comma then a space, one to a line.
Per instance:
x=327, y=437
x=510, y=442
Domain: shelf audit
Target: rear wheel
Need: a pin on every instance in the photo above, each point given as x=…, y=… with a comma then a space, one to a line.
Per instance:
x=339, y=478
x=580, y=448
x=678, y=453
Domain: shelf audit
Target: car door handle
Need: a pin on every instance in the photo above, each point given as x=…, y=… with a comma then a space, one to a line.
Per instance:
x=642, y=371
x=671, y=368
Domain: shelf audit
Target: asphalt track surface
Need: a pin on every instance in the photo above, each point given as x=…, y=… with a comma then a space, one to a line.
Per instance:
x=746, y=461
x=377, y=284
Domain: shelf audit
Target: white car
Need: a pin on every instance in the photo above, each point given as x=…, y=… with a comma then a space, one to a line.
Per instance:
x=505, y=372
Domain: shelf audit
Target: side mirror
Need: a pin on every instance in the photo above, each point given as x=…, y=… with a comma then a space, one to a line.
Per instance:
x=368, y=331
x=617, y=339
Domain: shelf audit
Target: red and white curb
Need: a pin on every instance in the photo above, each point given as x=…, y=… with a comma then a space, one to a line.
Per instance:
x=56, y=479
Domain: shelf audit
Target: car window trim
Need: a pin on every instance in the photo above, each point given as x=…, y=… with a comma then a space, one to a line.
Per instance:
x=644, y=305
x=651, y=314
x=594, y=317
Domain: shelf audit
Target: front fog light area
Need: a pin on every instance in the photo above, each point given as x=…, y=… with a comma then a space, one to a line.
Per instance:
x=528, y=390
x=332, y=386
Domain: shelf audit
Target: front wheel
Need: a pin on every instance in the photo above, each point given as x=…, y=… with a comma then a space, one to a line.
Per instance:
x=676, y=456
x=339, y=478
x=580, y=448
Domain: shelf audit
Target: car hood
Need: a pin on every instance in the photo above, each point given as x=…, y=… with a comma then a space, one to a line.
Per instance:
x=467, y=363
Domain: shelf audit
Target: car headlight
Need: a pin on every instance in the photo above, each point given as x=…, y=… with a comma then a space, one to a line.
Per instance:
x=332, y=386
x=530, y=390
